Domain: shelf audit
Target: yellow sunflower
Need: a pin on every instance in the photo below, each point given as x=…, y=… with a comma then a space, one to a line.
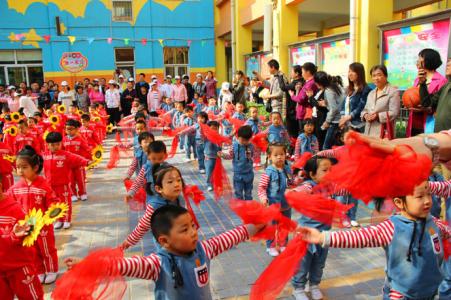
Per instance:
x=97, y=153
x=54, y=212
x=10, y=158
x=61, y=109
x=54, y=120
x=12, y=131
x=96, y=119
x=109, y=128
x=93, y=164
x=35, y=220
x=15, y=117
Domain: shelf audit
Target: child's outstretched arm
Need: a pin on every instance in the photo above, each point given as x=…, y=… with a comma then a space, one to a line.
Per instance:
x=139, y=182
x=262, y=187
x=440, y=188
x=140, y=230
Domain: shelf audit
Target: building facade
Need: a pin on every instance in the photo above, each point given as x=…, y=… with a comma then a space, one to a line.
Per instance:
x=70, y=40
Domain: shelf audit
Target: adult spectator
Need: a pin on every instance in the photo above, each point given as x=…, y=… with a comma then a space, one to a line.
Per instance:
x=27, y=105
x=56, y=91
x=44, y=100
x=4, y=96
x=199, y=86
x=275, y=95
x=102, y=85
x=179, y=93
x=141, y=82
x=153, y=97
x=7, y=98
x=188, y=87
x=14, y=102
x=296, y=80
x=66, y=96
x=142, y=97
x=254, y=92
x=127, y=98
x=82, y=98
x=440, y=101
x=86, y=82
x=121, y=83
x=23, y=86
x=210, y=85
x=225, y=95
x=95, y=95
x=166, y=87
x=303, y=107
x=113, y=102
x=238, y=88
x=35, y=89
x=356, y=96
x=383, y=102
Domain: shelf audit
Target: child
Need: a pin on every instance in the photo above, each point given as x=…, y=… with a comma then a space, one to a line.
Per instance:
x=168, y=186
x=212, y=108
x=167, y=104
x=177, y=121
x=202, y=117
x=144, y=139
x=181, y=267
x=135, y=107
x=73, y=142
x=58, y=165
x=242, y=152
x=73, y=113
x=24, y=138
x=33, y=191
x=211, y=152
x=306, y=141
x=156, y=154
x=6, y=167
x=88, y=131
x=18, y=274
x=140, y=126
x=277, y=134
x=412, y=241
x=313, y=263
x=272, y=186
x=199, y=106
x=239, y=112
x=255, y=124
x=190, y=138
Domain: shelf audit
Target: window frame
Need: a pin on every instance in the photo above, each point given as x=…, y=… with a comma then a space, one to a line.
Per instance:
x=121, y=18
x=176, y=65
x=16, y=64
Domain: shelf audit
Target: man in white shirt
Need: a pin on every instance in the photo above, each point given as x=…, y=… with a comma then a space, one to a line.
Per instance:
x=26, y=104
x=166, y=87
x=113, y=102
x=66, y=97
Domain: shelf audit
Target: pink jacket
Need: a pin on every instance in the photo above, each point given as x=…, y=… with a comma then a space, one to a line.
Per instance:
x=302, y=99
x=96, y=97
x=438, y=80
x=179, y=93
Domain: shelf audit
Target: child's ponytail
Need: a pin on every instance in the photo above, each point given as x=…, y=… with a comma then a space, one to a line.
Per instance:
x=32, y=157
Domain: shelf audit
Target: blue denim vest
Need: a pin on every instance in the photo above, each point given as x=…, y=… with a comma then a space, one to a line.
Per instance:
x=254, y=125
x=242, y=158
x=275, y=134
x=211, y=150
x=278, y=182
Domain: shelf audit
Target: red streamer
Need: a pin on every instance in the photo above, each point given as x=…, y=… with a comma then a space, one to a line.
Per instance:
x=260, y=140
x=237, y=123
x=220, y=181
x=274, y=278
x=368, y=173
x=317, y=207
x=114, y=157
x=213, y=136
x=301, y=161
x=193, y=192
x=99, y=276
x=173, y=132
x=175, y=144
x=138, y=202
x=118, y=137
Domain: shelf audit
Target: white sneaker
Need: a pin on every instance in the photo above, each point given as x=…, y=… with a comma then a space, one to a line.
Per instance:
x=66, y=225
x=273, y=252
x=182, y=150
x=210, y=188
x=202, y=171
x=50, y=278
x=84, y=197
x=299, y=294
x=41, y=278
x=58, y=225
x=74, y=199
x=315, y=293
x=346, y=224
x=355, y=223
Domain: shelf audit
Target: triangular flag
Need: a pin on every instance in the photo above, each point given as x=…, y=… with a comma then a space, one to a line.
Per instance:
x=46, y=38
x=71, y=39
x=144, y=41
x=161, y=42
x=19, y=36
x=90, y=40
x=189, y=43
x=202, y=43
x=126, y=41
x=109, y=40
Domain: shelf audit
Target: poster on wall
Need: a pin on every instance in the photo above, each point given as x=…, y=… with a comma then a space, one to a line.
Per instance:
x=264, y=69
x=252, y=64
x=335, y=58
x=301, y=55
x=402, y=45
x=73, y=62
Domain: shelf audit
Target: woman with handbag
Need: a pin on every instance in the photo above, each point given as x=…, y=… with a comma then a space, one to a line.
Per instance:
x=382, y=105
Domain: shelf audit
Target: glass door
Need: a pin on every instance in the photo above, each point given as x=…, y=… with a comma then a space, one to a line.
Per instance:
x=16, y=75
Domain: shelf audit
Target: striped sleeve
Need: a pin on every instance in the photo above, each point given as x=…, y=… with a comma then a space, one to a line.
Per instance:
x=330, y=153
x=304, y=188
x=297, y=148
x=371, y=236
x=263, y=186
x=228, y=155
x=144, y=267
x=223, y=242
x=440, y=188
x=189, y=130
x=315, y=146
x=132, y=167
x=445, y=230
x=142, y=228
x=139, y=182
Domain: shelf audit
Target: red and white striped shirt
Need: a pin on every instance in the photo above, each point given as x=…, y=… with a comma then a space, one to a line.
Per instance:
x=440, y=188
x=140, y=182
x=132, y=167
x=330, y=153
x=148, y=267
x=263, y=186
x=142, y=227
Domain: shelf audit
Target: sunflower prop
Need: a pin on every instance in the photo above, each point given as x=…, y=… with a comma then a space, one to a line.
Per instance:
x=54, y=119
x=12, y=131
x=10, y=158
x=109, y=128
x=61, y=109
x=15, y=117
x=97, y=153
x=35, y=220
x=96, y=119
x=55, y=212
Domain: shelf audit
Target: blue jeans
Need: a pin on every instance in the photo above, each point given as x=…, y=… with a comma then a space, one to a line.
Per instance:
x=312, y=265
x=200, y=146
x=181, y=141
x=269, y=243
x=349, y=200
x=329, y=140
x=243, y=185
x=209, y=167
x=190, y=144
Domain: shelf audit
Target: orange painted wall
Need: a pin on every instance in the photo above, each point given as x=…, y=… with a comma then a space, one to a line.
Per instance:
x=222, y=26
x=253, y=11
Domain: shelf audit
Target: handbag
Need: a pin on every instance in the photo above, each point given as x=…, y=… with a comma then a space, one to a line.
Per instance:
x=268, y=106
x=387, y=129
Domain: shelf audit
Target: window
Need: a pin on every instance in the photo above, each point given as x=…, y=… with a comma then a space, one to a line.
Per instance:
x=125, y=61
x=18, y=66
x=122, y=10
x=175, y=60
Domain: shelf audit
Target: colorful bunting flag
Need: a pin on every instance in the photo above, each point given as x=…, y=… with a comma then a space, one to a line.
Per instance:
x=126, y=41
x=90, y=40
x=144, y=41
x=71, y=39
x=189, y=43
x=202, y=43
x=161, y=42
x=46, y=38
x=109, y=40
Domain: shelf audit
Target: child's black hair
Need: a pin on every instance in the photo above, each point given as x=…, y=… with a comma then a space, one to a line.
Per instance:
x=73, y=123
x=156, y=147
x=94, y=105
x=163, y=218
x=308, y=122
x=37, y=114
x=53, y=137
x=31, y=157
x=158, y=172
x=139, y=115
x=311, y=166
x=203, y=115
x=213, y=123
x=276, y=113
x=188, y=109
x=145, y=135
x=32, y=118
x=245, y=132
x=22, y=122
x=140, y=122
x=153, y=114
x=85, y=117
x=270, y=148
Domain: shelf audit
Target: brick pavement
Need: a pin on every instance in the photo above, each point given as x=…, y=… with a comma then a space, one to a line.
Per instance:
x=105, y=221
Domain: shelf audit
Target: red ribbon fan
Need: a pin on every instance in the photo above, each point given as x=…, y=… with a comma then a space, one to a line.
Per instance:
x=260, y=140
x=173, y=132
x=174, y=145
x=96, y=277
x=237, y=123
x=301, y=161
x=274, y=278
x=118, y=137
x=138, y=202
x=213, y=136
x=114, y=157
x=220, y=181
x=193, y=192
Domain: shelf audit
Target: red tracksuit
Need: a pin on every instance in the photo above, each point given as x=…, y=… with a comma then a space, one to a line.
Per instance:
x=78, y=145
x=73, y=117
x=58, y=167
x=39, y=195
x=18, y=275
x=26, y=139
x=90, y=135
x=6, y=167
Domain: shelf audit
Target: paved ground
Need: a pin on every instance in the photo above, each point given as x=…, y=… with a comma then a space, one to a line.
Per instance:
x=105, y=221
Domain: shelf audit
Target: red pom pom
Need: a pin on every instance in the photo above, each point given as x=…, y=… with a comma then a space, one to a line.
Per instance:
x=260, y=140
x=220, y=181
x=213, y=136
x=411, y=97
x=254, y=212
x=193, y=192
x=174, y=145
x=138, y=202
x=114, y=157
x=96, y=277
x=274, y=278
x=237, y=123
x=171, y=132
x=118, y=137
x=301, y=161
